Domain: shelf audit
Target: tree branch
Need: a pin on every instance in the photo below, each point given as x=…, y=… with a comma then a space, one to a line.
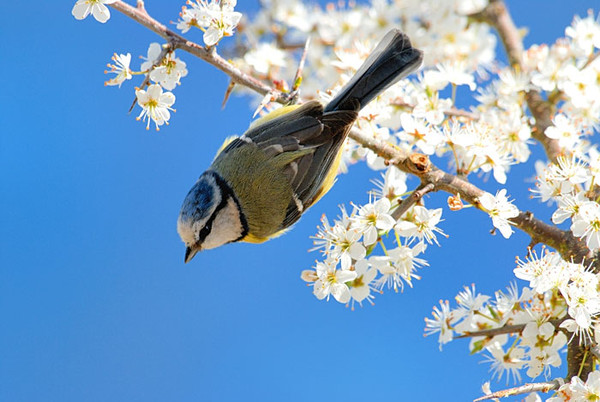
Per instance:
x=579, y=363
x=496, y=14
x=417, y=164
x=524, y=389
x=209, y=55
x=412, y=199
x=569, y=246
x=506, y=329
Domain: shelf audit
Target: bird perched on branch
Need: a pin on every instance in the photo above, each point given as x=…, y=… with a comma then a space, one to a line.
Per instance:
x=260, y=183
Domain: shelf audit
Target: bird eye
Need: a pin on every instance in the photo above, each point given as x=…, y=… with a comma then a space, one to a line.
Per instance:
x=205, y=230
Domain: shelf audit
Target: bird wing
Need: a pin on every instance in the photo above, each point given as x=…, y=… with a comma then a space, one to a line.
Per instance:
x=304, y=142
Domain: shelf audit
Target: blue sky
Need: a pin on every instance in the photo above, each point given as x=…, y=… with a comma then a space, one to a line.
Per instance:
x=95, y=301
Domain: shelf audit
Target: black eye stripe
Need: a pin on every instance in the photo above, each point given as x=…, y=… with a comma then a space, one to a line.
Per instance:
x=205, y=230
x=226, y=194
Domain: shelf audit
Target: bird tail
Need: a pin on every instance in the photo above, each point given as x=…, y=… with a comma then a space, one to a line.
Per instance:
x=393, y=59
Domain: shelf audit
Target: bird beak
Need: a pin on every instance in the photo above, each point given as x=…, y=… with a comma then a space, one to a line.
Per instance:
x=189, y=254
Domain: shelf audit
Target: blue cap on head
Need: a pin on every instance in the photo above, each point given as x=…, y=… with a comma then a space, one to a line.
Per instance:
x=198, y=202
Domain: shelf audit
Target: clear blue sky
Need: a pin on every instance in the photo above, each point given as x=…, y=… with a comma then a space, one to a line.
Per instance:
x=95, y=301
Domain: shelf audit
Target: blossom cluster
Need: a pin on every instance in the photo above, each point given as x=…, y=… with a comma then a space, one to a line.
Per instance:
x=216, y=18
x=161, y=67
x=369, y=247
x=562, y=298
x=571, y=183
x=578, y=390
x=534, y=347
x=577, y=286
x=351, y=270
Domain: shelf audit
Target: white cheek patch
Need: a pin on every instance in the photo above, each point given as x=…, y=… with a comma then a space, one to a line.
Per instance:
x=186, y=231
x=226, y=227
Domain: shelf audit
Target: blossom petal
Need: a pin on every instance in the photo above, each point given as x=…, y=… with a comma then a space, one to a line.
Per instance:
x=211, y=36
x=80, y=10
x=100, y=12
x=341, y=292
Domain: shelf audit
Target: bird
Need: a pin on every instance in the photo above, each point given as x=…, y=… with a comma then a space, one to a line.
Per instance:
x=260, y=183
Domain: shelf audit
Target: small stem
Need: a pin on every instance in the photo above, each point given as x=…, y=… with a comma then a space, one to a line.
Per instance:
x=453, y=94
x=412, y=199
x=524, y=389
x=585, y=354
x=458, y=168
x=470, y=165
x=383, y=246
x=298, y=77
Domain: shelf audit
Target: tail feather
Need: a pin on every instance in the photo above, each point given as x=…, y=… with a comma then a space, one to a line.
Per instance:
x=393, y=59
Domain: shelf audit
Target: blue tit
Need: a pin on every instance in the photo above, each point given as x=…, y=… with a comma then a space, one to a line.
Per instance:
x=260, y=183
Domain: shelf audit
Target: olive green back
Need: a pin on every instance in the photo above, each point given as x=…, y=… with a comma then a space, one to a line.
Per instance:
x=261, y=188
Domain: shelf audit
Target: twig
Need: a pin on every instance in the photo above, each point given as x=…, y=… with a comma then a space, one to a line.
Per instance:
x=227, y=93
x=590, y=60
x=141, y=6
x=166, y=49
x=298, y=76
x=455, y=112
x=506, y=329
x=209, y=55
x=577, y=362
x=488, y=333
x=524, y=389
x=412, y=199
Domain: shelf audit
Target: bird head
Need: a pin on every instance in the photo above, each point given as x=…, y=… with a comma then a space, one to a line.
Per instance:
x=210, y=216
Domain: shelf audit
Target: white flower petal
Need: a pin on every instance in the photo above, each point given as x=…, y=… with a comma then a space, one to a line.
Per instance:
x=100, y=12
x=80, y=10
x=212, y=36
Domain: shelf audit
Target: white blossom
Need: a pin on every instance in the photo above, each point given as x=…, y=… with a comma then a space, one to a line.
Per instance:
x=393, y=185
x=442, y=321
x=544, y=343
x=421, y=223
x=120, y=68
x=219, y=20
x=564, y=131
x=399, y=266
x=373, y=217
x=587, y=223
x=155, y=105
x=332, y=281
x=500, y=210
x=585, y=33
x=569, y=206
x=97, y=8
x=361, y=286
x=509, y=361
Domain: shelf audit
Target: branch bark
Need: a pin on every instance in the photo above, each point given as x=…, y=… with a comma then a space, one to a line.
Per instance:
x=506, y=329
x=524, y=389
x=569, y=246
x=412, y=199
x=497, y=15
